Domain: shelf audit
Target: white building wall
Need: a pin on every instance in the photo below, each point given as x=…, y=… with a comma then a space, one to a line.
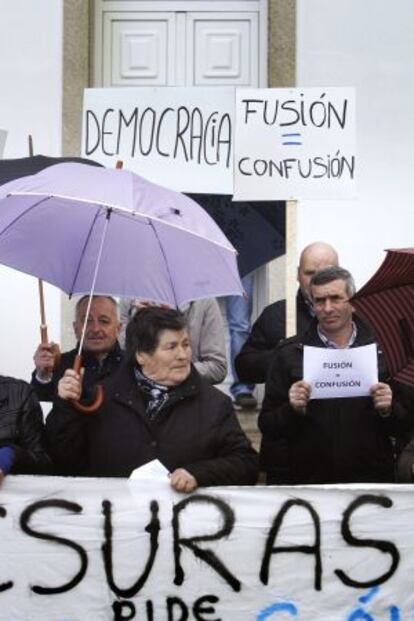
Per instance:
x=30, y=103
x=368, y=44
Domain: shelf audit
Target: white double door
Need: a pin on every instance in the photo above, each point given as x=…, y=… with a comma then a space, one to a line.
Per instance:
x=193, y=43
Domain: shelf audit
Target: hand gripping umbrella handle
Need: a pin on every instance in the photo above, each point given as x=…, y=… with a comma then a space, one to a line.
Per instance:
x=99, y=393
x=54, y=350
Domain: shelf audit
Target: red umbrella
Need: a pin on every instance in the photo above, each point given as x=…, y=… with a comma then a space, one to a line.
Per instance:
x=386, y=303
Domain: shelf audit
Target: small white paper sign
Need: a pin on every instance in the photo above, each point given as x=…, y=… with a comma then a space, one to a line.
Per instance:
x=334, y=373
x=154, y=470
x=3, y=136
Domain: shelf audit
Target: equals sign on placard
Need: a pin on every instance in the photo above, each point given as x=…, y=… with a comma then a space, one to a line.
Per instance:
x=291, y=139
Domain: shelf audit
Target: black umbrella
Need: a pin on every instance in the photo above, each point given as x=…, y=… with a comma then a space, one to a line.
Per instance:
x=256, y=229
x=24, y=166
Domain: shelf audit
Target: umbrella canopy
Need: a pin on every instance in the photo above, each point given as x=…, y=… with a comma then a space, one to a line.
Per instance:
x=150, y=242
x=255, y=228
x=386, y=303
x=237, y=220
x=22, y=166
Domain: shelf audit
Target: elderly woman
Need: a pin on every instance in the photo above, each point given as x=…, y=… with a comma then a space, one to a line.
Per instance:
x=156, y=407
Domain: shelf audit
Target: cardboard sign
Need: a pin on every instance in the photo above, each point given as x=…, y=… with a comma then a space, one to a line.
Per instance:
x=112, y=549
x=295, y=144
x=334, y=373
x=181, y=138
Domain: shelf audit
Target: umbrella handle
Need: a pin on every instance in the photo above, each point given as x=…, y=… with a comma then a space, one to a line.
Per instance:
x=44, y=339
x=99, y=393
x=54, y=350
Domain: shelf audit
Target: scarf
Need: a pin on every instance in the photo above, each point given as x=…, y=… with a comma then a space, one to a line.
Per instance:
x=158, y=394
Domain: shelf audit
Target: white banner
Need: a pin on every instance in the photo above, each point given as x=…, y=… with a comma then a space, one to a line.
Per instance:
x=295, y=144
x=112, y=549
x=334, y=373
x=178, y=137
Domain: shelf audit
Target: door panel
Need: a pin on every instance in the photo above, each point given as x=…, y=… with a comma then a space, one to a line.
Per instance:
x=139, y=49
x=222, y=49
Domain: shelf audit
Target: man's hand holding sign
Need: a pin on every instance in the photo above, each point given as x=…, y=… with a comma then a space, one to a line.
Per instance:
x=299, y=395
x=382, y=396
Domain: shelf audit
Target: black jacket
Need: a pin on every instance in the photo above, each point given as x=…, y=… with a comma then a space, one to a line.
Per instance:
x=254, y=360
x=94, y=372
x=253, y=363
x=21, y=427
x=197, y=430
x=337, y=440
x=405, y=464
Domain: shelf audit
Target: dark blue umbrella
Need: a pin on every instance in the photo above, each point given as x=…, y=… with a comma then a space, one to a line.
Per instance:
x=24, y=166
x=256, y=229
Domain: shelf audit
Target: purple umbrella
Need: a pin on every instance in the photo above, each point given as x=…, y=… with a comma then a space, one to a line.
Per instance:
x=11, y=169
x=110, y=232
x=100, y=231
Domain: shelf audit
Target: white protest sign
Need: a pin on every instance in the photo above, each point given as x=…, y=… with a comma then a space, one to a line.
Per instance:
x=334, y=373
x=178, y=137
x=3, y=137
x=114, y=549
x=295, y=144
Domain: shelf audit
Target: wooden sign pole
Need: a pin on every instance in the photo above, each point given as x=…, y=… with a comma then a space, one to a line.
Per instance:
x=291, y=267
x=44, y=339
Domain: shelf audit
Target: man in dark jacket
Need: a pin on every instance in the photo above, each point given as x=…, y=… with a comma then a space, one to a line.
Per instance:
x=340, y=440
x=269, y=329
x=156, y=407
x=101, y=354
x=22, y=442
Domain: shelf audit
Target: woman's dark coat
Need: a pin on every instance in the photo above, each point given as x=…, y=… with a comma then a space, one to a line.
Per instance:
x=197, y=430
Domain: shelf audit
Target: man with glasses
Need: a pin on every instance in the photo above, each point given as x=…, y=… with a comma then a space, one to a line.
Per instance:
x=338, y=440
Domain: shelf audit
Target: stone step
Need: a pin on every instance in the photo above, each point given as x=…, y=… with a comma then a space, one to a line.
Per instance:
x=248, y=422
